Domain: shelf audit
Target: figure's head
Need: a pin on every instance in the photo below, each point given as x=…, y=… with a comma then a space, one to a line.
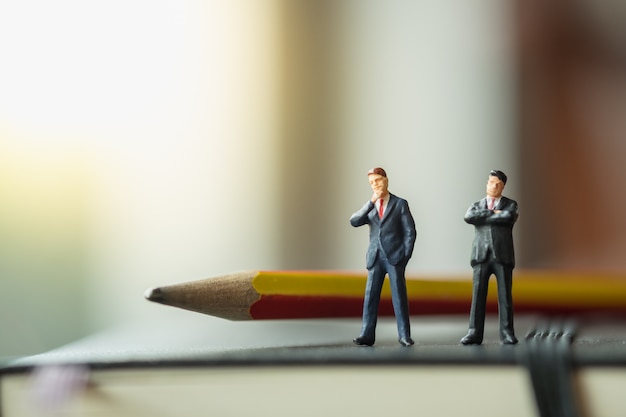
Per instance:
x=378, y=180
x=496, y=183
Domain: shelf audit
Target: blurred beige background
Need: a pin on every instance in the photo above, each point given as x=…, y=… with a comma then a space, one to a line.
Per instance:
x=150, y=142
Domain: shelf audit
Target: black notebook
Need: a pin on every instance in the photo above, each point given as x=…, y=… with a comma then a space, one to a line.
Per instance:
x=186, y=364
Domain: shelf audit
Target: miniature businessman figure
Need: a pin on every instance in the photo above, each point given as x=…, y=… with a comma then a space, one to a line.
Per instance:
x=392, y=238
x=493, y=218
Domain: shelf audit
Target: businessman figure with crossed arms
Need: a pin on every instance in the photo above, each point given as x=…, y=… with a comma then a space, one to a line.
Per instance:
x=493, y=218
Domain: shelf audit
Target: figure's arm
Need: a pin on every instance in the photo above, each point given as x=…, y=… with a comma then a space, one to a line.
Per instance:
x=477, y=216
x=508, y=214
x=410, y=234
x=360, y=217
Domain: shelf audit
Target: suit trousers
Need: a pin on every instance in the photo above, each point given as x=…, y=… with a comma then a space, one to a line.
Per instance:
x=397, y=281
x=504, y=280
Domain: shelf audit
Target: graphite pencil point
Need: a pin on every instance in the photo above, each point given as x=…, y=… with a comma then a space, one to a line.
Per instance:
x=154, y=294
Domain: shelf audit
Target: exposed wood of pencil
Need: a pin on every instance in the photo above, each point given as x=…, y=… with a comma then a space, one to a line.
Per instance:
x=229, y=296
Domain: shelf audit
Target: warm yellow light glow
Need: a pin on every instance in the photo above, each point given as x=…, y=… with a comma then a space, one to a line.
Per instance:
x=120, y=121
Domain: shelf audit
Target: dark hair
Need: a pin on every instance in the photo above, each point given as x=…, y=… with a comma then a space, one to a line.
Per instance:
x=496, y=173
x=377, y=171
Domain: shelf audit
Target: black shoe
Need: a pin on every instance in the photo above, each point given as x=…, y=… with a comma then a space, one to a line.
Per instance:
x=363, y=341
x=471, y=338
x=509, y=339
x=406, y=341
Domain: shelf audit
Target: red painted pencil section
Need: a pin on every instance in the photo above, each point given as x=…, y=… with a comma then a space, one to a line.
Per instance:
x=275, y=306
x=302, y=307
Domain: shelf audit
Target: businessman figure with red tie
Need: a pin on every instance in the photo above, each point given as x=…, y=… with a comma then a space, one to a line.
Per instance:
x=392, y=238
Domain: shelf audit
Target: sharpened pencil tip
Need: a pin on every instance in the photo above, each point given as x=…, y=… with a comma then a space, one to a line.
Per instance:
x=154, y=294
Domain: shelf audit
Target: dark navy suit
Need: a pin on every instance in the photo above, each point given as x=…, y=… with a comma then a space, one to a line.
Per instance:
x=492, y=253
x=392, y=239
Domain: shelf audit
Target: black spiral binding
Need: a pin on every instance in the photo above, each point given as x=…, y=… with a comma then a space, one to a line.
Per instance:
x=549, y=361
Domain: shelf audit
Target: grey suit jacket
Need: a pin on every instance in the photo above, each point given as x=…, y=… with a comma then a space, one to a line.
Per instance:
x=493, y=231
x=394, y=234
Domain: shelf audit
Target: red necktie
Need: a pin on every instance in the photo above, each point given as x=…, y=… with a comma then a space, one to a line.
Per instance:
x=380, y=208
x=491, y=203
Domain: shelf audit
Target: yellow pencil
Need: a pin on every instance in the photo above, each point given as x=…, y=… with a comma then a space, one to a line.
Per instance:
x=258, y=295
